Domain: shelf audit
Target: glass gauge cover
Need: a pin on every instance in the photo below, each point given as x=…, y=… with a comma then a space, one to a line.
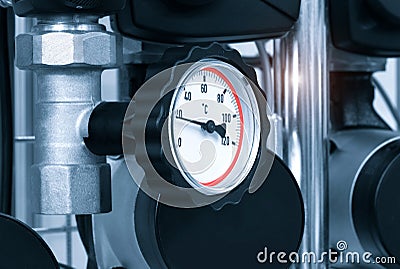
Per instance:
x=214, y=126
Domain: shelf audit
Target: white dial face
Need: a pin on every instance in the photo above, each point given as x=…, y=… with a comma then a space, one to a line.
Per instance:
x=214, y=127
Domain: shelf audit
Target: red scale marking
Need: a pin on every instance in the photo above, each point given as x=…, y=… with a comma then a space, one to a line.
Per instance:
x=230, y=168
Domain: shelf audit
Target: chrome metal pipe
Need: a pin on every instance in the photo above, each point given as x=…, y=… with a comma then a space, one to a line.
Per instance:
x=302, y=76
x=67, y=177
x=68, y=55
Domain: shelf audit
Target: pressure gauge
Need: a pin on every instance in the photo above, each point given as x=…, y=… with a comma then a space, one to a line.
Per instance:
x=198, y=129
x=214, y=126
x=195, y=143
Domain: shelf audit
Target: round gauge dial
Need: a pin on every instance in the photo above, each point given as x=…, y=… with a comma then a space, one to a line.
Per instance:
x=214, y=126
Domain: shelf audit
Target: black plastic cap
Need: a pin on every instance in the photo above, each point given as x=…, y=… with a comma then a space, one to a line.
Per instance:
x=183, y=21
x=366, y=27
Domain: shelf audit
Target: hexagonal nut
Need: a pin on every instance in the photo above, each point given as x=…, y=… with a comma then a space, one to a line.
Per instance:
x=71, y=189
x=100, y=49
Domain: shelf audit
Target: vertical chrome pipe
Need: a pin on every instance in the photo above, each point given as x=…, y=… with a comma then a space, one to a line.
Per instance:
x=68, y=55
x=301, y=74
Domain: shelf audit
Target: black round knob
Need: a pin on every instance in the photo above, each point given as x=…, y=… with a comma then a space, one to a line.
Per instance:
x=22, y=247
x=231, y=237
x=376, y=202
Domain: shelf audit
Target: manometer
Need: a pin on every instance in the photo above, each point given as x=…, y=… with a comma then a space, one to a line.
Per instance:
x=198, y=125
x=214, y=126
x=195, y=143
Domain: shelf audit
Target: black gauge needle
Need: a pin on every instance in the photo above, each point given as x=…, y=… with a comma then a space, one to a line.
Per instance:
x=221, y=130
x=209, y=126
x=192, y=121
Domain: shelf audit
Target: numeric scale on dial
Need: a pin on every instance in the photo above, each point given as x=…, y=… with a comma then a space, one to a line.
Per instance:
x=214, y=126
